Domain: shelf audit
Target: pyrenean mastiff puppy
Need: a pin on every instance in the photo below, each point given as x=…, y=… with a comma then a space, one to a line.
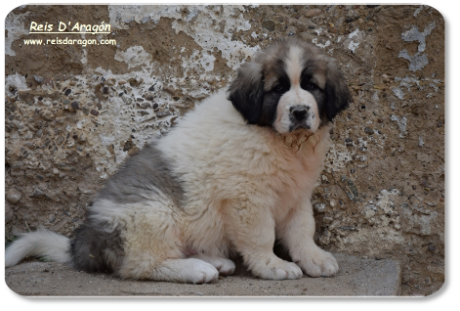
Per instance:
x=235, y=174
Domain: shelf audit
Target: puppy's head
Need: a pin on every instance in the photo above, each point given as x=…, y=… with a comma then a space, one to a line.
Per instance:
x=289, y=86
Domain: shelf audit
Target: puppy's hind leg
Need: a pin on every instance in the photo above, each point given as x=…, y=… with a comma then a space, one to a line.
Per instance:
x=189, y=270
x=224, y=265
x=154, y=248
x=181, y=270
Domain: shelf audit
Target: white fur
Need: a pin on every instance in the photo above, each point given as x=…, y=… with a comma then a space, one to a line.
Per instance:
x=242, y=184
x=51, y=245
x=293, y=64
x=223, y=265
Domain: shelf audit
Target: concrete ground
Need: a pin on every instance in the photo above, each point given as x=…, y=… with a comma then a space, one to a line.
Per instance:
x=357, y=277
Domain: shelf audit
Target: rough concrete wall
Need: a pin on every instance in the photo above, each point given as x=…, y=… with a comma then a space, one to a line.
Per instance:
x=74, y=114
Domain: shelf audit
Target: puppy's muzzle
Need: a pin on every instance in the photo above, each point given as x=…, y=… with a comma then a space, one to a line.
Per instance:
x=299, y=115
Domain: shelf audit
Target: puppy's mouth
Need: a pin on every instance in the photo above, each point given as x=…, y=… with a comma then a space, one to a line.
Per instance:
x=299, y=125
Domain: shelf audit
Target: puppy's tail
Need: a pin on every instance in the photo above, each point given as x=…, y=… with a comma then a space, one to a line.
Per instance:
x=42, y=243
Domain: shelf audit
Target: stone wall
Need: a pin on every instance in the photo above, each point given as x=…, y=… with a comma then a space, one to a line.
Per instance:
x=74, y=113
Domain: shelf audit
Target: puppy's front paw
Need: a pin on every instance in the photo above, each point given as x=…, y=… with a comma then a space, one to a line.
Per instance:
x=277, y=269
x=319, y=263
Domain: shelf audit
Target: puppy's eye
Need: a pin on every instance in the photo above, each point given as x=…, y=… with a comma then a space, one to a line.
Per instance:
x=309, y=86
x=280, y=88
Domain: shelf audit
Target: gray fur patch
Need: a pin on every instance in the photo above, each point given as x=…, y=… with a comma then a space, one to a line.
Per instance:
x=94, y=249
x=142, y=175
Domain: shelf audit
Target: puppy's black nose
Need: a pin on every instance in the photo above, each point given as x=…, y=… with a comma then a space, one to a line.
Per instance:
x=299, y=112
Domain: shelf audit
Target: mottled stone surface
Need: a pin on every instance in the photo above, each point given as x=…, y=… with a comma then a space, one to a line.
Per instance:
x=73, y=114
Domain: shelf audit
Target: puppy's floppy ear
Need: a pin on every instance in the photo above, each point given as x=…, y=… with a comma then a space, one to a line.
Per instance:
x=247, y=91
x=337, y=93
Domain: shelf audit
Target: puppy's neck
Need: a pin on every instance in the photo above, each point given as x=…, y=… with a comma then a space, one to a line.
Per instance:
x=296, y=139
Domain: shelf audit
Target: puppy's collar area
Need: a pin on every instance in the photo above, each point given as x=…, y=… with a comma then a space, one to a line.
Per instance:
x=296, y=139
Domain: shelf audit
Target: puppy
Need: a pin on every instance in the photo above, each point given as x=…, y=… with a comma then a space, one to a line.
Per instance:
x=237, y=173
